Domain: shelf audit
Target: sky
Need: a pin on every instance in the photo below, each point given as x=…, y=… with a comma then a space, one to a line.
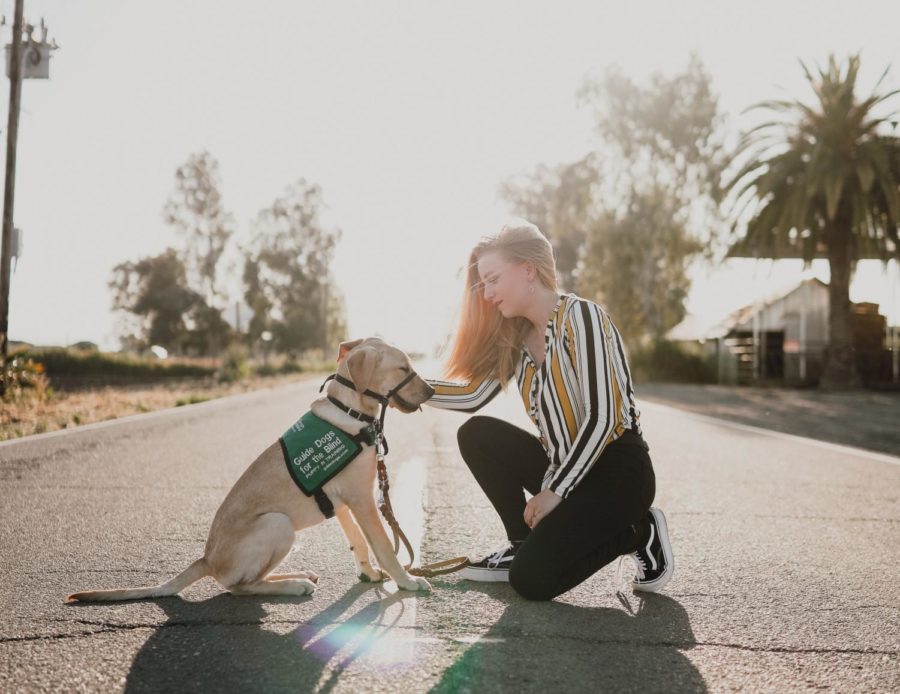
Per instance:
x=409, y=115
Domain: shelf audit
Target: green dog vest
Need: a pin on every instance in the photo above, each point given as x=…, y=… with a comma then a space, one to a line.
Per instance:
x=315, y=451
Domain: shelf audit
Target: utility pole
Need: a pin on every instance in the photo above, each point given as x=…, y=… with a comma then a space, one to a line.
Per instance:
x=38, y=58
x=325, y=315
x=12, y=130
x=895, y=331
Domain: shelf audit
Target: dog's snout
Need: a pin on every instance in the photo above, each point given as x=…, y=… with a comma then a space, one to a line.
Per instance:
x=425, y=390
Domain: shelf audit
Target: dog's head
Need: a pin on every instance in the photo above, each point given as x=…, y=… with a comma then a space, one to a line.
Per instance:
x=373, y=364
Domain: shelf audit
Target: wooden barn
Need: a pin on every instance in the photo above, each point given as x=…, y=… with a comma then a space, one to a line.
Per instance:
x=783, y=340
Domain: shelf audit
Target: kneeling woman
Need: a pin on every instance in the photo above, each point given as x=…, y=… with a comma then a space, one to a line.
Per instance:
x=589, y=470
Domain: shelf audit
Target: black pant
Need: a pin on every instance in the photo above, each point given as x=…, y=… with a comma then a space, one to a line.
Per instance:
x=603, y=517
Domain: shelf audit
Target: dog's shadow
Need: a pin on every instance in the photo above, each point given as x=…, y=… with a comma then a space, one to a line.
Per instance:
x=539, y=646
x=230, y=643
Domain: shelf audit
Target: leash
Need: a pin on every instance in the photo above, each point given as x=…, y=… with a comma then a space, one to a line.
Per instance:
x=384, y=500
x=447, y=566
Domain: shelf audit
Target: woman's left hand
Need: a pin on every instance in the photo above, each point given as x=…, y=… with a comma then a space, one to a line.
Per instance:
x=539, y=506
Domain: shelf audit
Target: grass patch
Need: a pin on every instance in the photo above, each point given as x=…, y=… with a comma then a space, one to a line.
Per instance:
x=190, y=400
x=74, y=368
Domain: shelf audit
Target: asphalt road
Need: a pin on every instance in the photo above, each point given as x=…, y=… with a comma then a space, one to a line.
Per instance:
x=786, y=576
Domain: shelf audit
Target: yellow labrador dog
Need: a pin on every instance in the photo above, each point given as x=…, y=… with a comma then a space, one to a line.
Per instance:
x=253, y=530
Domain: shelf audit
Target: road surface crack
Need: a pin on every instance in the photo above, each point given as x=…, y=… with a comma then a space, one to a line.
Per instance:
x=110, y=627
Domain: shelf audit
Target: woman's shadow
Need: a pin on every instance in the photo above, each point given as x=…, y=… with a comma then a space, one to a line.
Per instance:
x=547, y=646
x=229, y=643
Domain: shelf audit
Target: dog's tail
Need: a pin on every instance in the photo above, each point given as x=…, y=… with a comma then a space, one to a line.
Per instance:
x=193, y=573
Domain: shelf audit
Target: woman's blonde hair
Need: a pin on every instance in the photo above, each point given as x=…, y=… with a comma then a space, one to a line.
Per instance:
x=487, y=344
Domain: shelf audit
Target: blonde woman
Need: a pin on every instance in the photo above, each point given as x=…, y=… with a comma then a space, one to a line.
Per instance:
x=589, y=469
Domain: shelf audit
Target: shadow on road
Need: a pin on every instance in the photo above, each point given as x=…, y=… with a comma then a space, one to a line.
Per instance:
x=554, y=645
x=230, y=643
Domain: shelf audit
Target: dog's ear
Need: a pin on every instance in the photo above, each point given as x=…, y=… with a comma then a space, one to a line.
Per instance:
x=346, y=347
x=361, y=365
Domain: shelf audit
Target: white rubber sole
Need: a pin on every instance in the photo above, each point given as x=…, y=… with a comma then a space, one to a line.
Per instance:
x=474, y=573
x=658, y=583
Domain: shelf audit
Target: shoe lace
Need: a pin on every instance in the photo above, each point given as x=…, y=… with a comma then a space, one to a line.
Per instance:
x=495, y=558
x=638, y=564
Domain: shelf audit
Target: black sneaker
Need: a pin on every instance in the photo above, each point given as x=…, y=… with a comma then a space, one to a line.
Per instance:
x=653, y=563
x=494, y=567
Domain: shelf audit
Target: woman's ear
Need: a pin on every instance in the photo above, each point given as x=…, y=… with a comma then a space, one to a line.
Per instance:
x=530, y=271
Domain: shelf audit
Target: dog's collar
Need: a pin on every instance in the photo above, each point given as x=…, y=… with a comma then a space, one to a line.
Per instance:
x=356, y=414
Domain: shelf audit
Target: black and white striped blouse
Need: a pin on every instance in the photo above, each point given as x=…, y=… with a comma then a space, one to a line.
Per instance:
x=580, y=398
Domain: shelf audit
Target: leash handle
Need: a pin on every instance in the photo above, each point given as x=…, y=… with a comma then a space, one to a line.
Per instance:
x=434, y=569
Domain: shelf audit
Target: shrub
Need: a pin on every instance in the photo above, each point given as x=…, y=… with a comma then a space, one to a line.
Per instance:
x=190, y=400
x=666, y=361
x=290, y=366
x=80, y=367
x=235, y=363
x=265, y=370
x=24, y=374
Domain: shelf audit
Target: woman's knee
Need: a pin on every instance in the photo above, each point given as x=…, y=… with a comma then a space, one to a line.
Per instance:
x=472, y=432
x=527, y=583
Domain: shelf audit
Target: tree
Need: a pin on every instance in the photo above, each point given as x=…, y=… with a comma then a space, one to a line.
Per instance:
x=627, y=219
x=560, y=201
x=286, y=273
x=154, y=289
x=662, y=138
x=196, y=211
x=174, y=298
x=636, y=261
x=822, y=179
x=208, y=332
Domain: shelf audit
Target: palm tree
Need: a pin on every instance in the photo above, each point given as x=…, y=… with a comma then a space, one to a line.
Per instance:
x=822, y=181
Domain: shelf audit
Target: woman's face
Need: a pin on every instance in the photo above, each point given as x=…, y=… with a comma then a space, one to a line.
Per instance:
x=504, y=284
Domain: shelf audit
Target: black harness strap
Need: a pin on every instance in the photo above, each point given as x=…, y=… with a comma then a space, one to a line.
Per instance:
x=366, y=435
x=324, y=503
x=370, y=434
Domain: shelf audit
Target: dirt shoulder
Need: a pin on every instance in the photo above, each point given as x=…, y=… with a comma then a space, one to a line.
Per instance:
x=865, y=419
x=65, y=410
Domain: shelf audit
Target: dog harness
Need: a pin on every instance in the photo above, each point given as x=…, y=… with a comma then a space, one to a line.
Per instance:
x=314, y=466
x=315, y=450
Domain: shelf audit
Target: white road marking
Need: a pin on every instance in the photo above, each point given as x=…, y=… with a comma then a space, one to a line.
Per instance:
x=391, y=640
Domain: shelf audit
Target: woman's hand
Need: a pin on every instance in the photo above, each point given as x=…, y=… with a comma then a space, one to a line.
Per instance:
x=539, y=506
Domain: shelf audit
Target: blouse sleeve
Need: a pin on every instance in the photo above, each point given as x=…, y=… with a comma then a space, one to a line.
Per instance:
x=465, y=397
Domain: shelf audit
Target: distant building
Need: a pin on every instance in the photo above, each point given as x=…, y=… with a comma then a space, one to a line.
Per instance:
x=85, y=345
x=783, y=340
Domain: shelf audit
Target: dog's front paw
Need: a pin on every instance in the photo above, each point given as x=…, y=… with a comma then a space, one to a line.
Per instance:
x=415, y=583
x=372, y=574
